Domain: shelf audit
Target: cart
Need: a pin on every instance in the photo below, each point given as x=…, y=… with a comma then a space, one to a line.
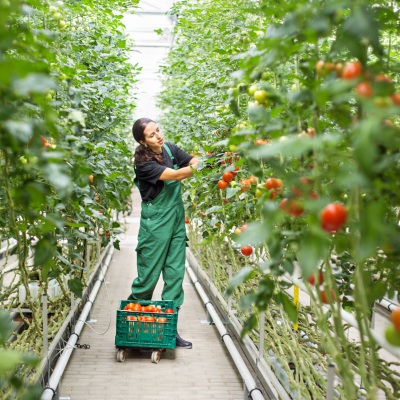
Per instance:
x=143, y=329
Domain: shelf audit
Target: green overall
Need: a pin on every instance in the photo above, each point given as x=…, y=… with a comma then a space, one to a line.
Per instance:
x=161, y=245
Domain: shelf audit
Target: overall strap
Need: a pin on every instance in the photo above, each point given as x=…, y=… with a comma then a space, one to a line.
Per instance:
x=168, y=150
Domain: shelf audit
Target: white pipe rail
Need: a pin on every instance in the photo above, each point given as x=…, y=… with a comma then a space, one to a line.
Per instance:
x=274, y=385
x=74, y=305
x=254, y=392
x=50, y=390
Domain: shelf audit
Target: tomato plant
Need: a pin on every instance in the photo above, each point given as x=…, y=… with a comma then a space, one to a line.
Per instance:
x=312, y=82
x=64, y=151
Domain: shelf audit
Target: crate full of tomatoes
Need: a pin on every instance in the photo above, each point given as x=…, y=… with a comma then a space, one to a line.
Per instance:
x=146, y=324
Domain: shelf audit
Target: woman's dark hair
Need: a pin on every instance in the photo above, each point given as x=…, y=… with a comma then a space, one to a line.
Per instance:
x=142, y=152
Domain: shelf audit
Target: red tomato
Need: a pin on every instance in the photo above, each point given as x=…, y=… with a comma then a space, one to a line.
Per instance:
x=243, y=227
x=228, y=176
x=161, y=319
x=245, y=185
x=131, y=306
x=141, y=318
x=150, y=308
x=364, y=89
x=352, y=70
x=149, y=319
x=169, y=311
x=333, y=217
x=246, y=250
x=274, y=185
x=395, y=99
x=395, y=318
x=222, y=184
x=311, y=278
x=292, y=207
x=187, y=220
x=311, y=132
x=338, y=68
x=131, y=318
x=324, y=296
x=383, y=78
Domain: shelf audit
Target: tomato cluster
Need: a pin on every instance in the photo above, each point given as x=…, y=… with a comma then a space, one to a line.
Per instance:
x=227, y=178
x=137, y=307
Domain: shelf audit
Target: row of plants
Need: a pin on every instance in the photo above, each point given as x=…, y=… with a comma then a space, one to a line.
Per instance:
x=65, y=115
x=295, y=108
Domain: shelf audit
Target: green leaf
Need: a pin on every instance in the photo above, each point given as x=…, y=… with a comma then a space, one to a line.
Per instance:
x=372, y=227
x=231, y=192
x=58, y=177
x=242, y=276
x=250, y=324
x=9, y=360
x=213, y=210
x=33, y=83
x=76, y=286
x=288, y=305
x=314, y=247
x=44, y=251
x=116, y=244
x=234, y=107
x=21, y=131
x=255, y=234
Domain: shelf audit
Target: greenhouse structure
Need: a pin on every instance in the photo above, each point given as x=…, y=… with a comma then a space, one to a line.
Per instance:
x=199, y=199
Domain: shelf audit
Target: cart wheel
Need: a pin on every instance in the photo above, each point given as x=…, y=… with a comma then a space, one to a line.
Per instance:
x=121, y=355
x=155, y=356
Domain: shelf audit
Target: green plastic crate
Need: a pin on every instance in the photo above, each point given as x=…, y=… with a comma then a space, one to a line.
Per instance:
x=143, y=334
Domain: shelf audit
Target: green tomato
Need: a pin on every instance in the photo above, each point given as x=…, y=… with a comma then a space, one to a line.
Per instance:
x=252, y=89
x=260, y=95
x=232, y=147
x=49, y=97
x=57, y=15
x=392, y=336
x=23, y=160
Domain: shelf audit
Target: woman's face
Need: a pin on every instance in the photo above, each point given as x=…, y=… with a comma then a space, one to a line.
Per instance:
x=153, y=137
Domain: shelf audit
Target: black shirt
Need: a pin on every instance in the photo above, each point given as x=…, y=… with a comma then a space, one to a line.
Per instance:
x=149, y=172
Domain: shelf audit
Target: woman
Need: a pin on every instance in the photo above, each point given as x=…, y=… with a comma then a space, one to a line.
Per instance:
x=162, y=238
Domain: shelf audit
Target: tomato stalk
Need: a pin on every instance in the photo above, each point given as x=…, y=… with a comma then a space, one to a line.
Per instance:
x=361, y=307
x=339, y=350
x=22, y=245
x=362, y=316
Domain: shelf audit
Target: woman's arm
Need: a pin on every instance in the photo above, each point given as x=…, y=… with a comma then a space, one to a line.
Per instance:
x=171, y=174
